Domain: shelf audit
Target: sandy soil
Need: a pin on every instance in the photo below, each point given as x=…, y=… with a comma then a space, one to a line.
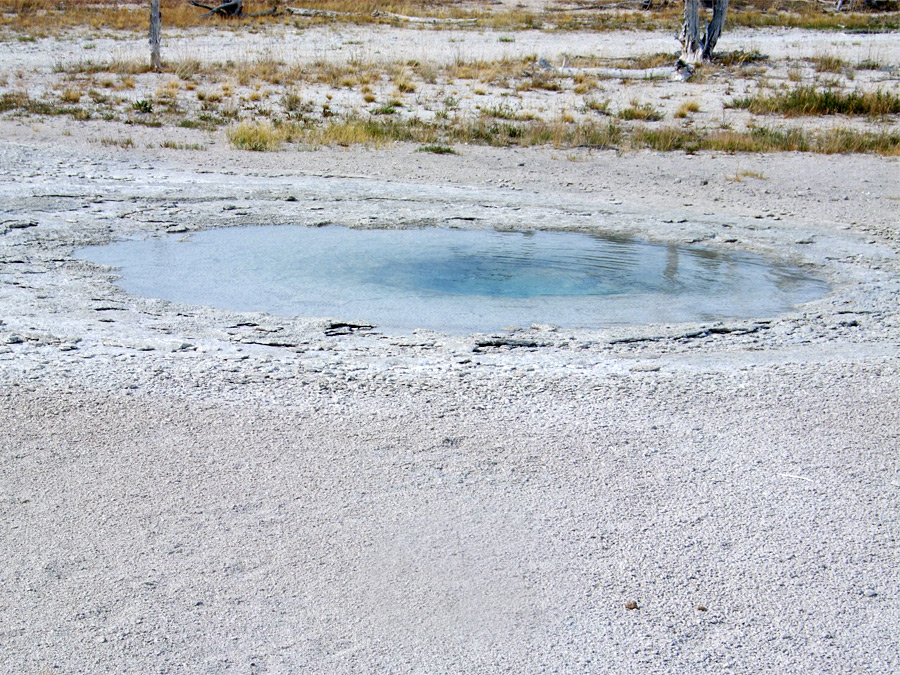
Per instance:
x=193, y=490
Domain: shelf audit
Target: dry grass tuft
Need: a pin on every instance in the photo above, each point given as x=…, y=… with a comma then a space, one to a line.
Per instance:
x=745, y=173
x=829, y=63
x=256, y=136
x=687, y=108
x=117, y=142
x=70, y=96
x=640, y=111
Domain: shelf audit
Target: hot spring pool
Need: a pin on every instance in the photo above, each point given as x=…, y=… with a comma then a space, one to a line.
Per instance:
x=454, y=280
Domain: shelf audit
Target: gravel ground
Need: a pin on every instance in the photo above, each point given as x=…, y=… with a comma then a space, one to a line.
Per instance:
x=192, y=490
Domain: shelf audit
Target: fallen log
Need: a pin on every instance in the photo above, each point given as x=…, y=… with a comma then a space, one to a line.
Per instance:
x=425, y=19
x=680, y=71
x=301, y=11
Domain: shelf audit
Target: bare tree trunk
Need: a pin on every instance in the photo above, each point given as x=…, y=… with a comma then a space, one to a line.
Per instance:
x=714, y=28
x=155, y=30
x=691, y=49
x=696, y=47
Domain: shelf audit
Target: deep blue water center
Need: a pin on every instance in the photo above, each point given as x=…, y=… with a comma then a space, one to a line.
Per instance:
x=454, y=280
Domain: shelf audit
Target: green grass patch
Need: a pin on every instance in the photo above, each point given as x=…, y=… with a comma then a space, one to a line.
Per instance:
x=21, y=101
x=640, y=111
x=117, y=142
x=438, y=150
x=439, y=137
x=739, y=57
x=174, y=145
x=142, y=106
x=762, y=139
x=809, y=101
x=386, y=109
x=829, y=63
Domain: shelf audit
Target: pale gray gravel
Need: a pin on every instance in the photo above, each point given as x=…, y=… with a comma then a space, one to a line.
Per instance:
x=185, y=490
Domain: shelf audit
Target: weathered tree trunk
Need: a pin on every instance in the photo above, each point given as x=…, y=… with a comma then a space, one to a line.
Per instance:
x=155, y=30
x=697, y=46
x=714, y=28
x=665, y=72
x=691, y=50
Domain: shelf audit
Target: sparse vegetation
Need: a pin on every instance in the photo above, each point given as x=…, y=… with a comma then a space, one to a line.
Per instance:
x=597, y=105
x=508, y=101
x=808, y=101
x=34, y=19
x=175, y=145
x=763, y=139
x=256, y=136
x=118, y=142
x=745, y=173
x=829, y=63
x=739, y=58
x=870, y=64
x=438, y=150
x=686, y=109
x=388, y=108
x=70, y=96
x=640, y=111
x=142, y=106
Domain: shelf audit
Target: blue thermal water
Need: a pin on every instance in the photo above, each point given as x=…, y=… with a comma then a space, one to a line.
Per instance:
x=453, y=280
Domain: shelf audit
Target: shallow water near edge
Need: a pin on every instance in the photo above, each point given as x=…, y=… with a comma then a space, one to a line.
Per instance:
x=454, y=280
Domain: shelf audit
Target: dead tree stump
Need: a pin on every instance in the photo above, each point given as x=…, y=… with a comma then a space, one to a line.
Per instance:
x=698, y=45
x=155, y=31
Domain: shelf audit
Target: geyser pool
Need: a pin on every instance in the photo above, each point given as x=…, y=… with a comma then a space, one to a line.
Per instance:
x=453, y=280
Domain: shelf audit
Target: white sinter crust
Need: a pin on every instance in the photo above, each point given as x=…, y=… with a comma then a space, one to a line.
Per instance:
x=190, y=490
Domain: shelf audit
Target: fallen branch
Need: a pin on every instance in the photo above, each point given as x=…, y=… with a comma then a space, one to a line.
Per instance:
x=600, y=5
x=424, y=19
x=228, y=8
x=300, y=11
x=234, y=9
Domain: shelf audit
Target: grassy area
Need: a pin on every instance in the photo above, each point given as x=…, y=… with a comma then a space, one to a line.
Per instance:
x=806, y=101
x=257, y=136
x=763, y=139
x=440, y=138
x=440, y=106
x=436, y=135
x=39, y=18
